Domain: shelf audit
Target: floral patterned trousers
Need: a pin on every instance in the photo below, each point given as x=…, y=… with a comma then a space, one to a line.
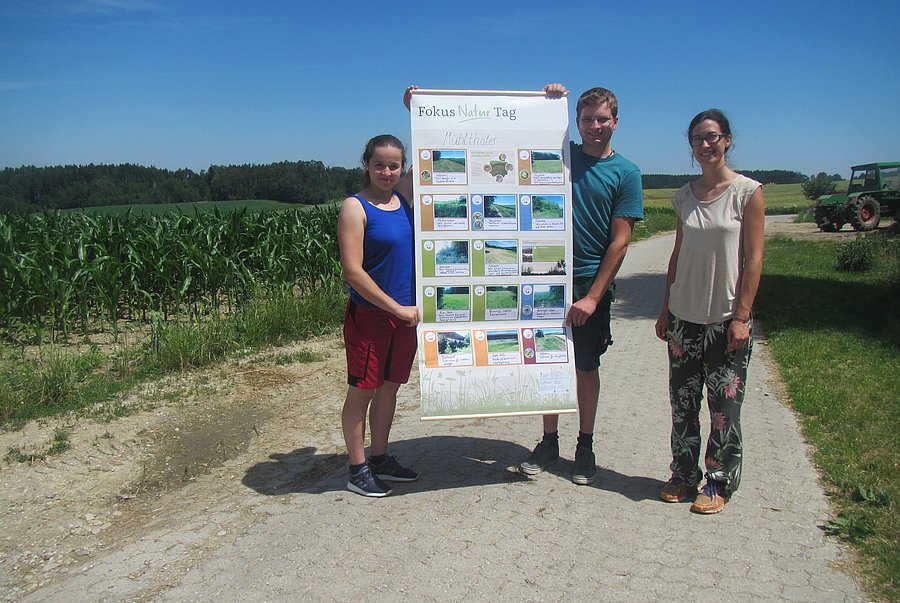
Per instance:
x=697, y=357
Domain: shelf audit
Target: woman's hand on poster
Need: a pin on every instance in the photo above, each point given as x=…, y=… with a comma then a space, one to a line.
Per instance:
x=407, y=96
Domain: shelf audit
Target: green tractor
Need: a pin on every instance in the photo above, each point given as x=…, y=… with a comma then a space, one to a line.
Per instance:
x=874, y=191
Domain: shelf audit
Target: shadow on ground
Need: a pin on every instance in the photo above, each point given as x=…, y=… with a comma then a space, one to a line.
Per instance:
x=633, y=487
x=443, y=462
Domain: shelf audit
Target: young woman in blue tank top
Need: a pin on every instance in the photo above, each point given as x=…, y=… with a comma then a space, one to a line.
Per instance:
x=375, y=232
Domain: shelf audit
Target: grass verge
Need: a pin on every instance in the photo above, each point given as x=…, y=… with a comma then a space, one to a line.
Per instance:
x=57, y=379
x=656, y=219
x=836, y=338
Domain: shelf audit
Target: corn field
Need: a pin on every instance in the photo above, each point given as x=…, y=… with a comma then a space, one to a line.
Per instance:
x=62, y=272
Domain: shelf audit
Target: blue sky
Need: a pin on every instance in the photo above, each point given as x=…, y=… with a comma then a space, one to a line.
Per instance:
x=808, y=87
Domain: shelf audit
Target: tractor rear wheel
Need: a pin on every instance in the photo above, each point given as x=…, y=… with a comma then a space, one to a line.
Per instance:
x=825, y=219
x=865, y=214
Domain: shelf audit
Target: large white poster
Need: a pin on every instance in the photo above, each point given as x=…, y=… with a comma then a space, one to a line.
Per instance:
x=493, y=252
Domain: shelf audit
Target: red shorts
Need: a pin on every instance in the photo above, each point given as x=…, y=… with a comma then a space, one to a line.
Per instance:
x=378, y=347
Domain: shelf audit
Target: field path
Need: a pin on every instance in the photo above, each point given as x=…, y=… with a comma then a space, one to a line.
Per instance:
x=274, y=523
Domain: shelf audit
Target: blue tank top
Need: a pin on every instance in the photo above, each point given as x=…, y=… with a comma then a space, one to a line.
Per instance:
x=388, y=245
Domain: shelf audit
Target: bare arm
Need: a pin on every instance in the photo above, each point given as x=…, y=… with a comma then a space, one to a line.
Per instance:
x=663, y=321
x=620, y=237
x=351, y=232
x=752, y=240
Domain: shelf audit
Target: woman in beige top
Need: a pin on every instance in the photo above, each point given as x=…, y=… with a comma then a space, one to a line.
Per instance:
x=706, y=321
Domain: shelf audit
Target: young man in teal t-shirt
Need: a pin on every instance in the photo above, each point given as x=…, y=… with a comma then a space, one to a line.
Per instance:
x=607, y=199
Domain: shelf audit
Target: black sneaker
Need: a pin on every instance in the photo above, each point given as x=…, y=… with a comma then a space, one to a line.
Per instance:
x=585, y=466
x=543, y=455
x=392, y=471
x=365, y=483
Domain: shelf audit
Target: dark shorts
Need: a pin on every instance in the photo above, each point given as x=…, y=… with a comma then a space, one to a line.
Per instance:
x=593, y=338
x=378, y=347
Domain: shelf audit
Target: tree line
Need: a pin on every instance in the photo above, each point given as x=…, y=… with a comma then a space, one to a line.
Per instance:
x=765, y=176
x=32, y=188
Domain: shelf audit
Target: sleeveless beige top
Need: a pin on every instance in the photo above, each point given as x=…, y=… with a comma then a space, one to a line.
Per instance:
x=710, y=261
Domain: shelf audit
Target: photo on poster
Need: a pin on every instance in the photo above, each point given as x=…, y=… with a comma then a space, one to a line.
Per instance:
x=448, y=166
x=501, y=302
x=544, y=258
x=453, y=304
x=501, y=257
x=451, y=212
x=501, y=212
x=546, y=167
x=493, y=167
x=503, y=347
x=549, y=302
x=451, y=258
x=550, y=345
x=506, y=340
x=454, y=348
x=548, y=212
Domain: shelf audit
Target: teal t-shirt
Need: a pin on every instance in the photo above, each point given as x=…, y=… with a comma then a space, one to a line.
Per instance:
x=601, y=189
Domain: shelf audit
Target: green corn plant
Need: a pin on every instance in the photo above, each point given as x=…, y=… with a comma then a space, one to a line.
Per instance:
x=60, y=269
